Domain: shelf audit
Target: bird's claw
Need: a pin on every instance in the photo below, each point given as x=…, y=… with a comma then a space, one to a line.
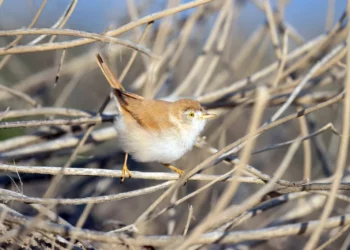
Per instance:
x=125, y=172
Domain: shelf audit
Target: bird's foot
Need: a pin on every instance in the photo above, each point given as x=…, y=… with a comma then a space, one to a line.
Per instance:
x=175, y=169
x=125, y=172
x=179, y=171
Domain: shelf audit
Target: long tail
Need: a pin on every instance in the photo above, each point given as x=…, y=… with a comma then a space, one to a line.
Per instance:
x=116, y=85
x=107, y=72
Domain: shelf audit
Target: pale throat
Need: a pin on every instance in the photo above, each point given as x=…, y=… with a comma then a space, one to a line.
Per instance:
x=187, y=131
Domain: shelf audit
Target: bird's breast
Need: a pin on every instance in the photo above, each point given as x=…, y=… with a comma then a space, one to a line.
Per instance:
x=164, y=146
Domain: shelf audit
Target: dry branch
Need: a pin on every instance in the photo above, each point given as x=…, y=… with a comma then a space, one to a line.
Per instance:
x=199, y=54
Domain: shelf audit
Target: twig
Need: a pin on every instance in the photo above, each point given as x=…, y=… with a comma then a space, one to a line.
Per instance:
x=134, y=54
x=19, y=94
x=21, y=146
x=94, y=200
x=64, y=45
x=228, y=150
x=6, y=58
x=301, y=85
x=157, y=241
x=123, y=29
x=43, y=111
x=172, y=215
x=230, y=190
x=248, y=47
x=334, y=238
x=304, y=130
x=217, y=94
x=64, y=20
x=222, y=39
x=57, y=122
x=283, y=144
x=198, y=64
x=160, y=176
x=233, y=211
x=273, y=29
x=330, y=14
x=342, y=156
x=190, y=211
x=4, y=113
x=283, y=58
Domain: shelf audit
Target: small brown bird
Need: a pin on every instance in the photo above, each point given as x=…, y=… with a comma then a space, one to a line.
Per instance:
x=154, y=130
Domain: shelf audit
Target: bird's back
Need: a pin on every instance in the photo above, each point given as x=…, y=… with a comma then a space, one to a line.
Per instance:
x=150, y=130
x=152, y=115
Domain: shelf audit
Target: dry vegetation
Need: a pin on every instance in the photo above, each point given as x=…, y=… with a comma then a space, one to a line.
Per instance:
x=270, y=173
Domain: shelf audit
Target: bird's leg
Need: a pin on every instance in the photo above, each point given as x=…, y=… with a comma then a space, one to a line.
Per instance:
x=175, y=169
x=125, y=170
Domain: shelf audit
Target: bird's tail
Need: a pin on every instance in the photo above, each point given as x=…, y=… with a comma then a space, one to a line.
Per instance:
x=116, y=85
x=107, y=72
x=122, y=97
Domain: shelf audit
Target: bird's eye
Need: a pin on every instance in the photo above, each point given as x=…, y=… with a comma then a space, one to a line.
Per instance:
x=191, y=114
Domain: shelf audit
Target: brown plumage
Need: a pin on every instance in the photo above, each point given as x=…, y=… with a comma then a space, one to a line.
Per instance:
x=154, y=130
x=148, y=113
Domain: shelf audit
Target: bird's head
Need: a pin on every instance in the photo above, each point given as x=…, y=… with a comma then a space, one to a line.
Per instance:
x=191, y=114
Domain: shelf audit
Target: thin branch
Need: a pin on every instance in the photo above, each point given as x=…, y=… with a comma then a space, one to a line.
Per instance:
x=162, y=241
x=19, y=94
x=228, y=150
x=304, y=130
x=190, y=212
x=217, y=94
x=57, y=122
x=5, y=196
x=283, y=144
x=273, y=29
x=6, y=58
x=64, y=45
x=160, y=176
x=308, y=76
x=342, y=156
x=109, y=34
x=65, y=18
x=44, y=111
x=334, y=237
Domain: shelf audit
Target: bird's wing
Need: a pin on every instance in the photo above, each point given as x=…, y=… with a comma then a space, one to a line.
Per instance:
x=150, y=114
x=147, y=113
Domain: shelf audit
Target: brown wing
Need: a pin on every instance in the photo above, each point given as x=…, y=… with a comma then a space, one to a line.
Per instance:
x=150, y=114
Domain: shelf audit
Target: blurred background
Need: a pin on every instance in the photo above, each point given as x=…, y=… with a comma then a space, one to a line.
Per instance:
x=202, y=50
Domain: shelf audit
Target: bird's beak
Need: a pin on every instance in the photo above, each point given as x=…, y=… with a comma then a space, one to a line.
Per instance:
x=208, y=116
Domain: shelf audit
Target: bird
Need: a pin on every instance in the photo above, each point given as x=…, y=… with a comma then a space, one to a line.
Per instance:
x=152, y=130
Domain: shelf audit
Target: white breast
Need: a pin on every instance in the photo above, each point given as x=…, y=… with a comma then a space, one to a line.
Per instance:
x=165, y=147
